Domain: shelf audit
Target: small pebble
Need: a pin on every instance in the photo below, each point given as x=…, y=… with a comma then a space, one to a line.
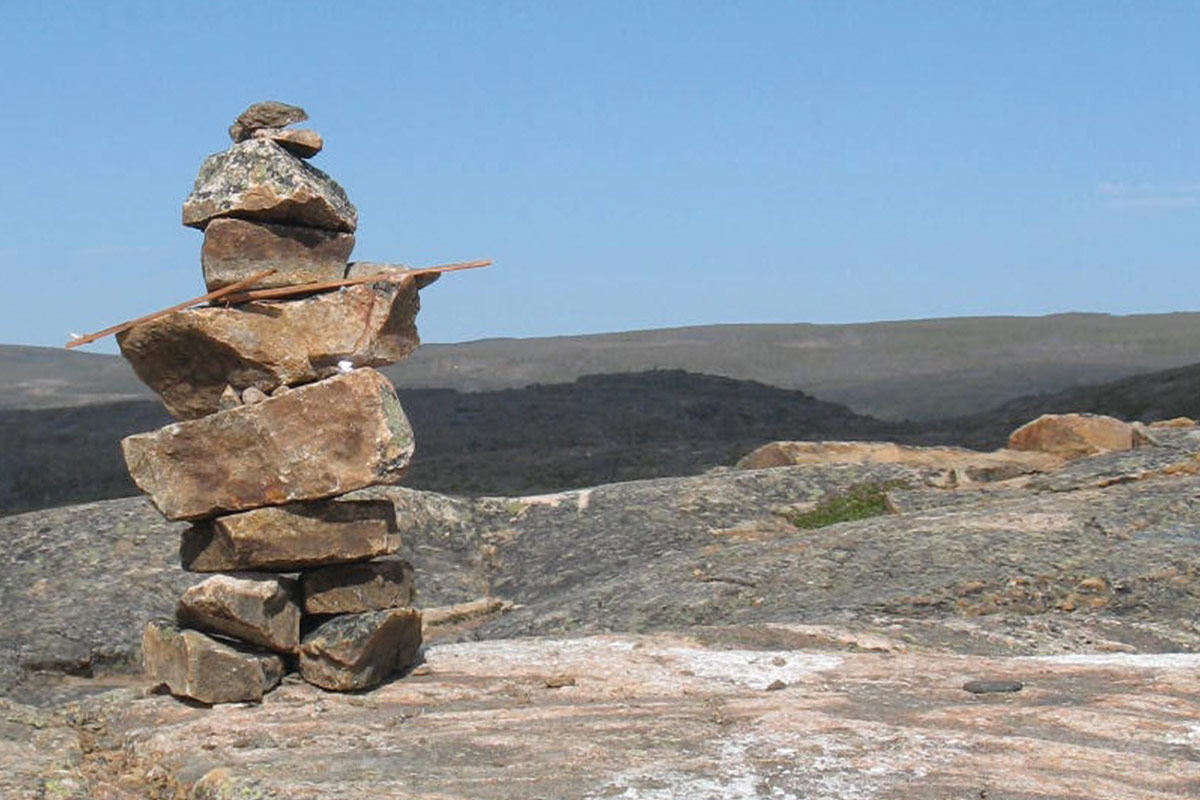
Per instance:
x=776, y=685
x=989, y=687
x=559, y=681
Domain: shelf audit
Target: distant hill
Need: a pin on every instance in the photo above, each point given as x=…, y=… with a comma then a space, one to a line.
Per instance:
x=921, y=369
x=543, y=438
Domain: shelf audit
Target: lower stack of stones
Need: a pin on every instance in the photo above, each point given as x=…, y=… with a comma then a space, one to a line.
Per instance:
x=283, y=423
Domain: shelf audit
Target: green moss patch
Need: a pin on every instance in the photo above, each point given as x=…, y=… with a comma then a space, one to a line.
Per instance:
x=860, y=501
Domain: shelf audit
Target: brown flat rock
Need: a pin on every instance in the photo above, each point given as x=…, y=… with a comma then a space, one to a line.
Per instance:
x=258, y=179
x=258, y=608
x=190, y=356
x=195, y=665
x=1072, y=436
x=237, y=249
x=289, y=537
x=268, y=114
x=316, y=441
x=965, y=465
x=303, y=143
x=352, y=588
x=357, y=651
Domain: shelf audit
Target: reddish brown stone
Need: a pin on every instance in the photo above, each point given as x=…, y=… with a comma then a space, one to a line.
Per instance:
x=236, y=249
x=189, y=357
x=1073, y=435
x=303, y=143
x=316, y=441
x=290, y=537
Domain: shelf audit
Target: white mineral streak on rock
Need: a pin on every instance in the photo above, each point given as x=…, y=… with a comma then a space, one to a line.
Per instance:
x=1122, y=660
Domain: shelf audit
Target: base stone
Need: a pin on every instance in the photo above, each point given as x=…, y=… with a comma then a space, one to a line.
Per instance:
x=358, y=651
x=192, y=664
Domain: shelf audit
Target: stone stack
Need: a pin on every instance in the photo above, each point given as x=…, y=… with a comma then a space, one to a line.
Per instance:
x=283, y=419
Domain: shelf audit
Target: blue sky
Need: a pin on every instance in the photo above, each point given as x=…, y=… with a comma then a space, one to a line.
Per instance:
x=626, y=165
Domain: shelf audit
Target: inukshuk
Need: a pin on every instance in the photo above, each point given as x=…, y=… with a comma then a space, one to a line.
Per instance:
x=282, y=419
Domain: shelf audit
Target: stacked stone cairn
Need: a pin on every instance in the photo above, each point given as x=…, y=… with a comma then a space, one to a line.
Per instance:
x=283, y=420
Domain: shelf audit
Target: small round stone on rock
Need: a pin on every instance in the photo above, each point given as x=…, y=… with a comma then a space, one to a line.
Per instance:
x=270, y=114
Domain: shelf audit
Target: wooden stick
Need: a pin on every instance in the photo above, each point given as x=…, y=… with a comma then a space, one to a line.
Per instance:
x=124, y=326
x=308, y=288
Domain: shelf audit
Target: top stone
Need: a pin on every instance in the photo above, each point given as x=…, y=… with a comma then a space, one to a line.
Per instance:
x=270, y=114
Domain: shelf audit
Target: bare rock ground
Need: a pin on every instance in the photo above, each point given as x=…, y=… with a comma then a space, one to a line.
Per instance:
x=668, y=638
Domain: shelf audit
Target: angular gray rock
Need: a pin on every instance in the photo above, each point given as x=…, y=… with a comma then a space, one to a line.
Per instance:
x=289, y=537
x=256, y=607
x=236, y=249
x=192, y=664
x=259, y=180
x=352, y=588
x=358, y=651
x=268, y=114
x=316, y=441
x=189, y=356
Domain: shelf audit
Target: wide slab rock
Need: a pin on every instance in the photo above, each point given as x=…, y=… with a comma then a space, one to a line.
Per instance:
x=258, y=179
x=192, y=664
x=358, y=651
x=964, y=465
x=316, y=441
x=290, y=537
x=690, y=715
x=1073, y=435
x=267, y=114
x=256, y=607
x=189, y=357
x=237, y=249
x=353, y=588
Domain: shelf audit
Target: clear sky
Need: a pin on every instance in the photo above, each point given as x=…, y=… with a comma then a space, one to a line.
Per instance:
x=626, y=164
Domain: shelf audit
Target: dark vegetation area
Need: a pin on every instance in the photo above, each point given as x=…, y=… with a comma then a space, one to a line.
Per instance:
x=597, y=429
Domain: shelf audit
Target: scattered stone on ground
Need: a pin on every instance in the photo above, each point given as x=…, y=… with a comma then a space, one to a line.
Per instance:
x=357, y=651
x=290, y=537
x=196, y=665
x=237, y=249
x=259, y=180
x=323, y=439
x=189, y=357
x=260, y=608
x=1073, y=435
x=351, y=588
x=960, y=464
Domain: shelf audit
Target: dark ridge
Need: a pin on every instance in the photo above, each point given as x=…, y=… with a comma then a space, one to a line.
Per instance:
x=544, y=438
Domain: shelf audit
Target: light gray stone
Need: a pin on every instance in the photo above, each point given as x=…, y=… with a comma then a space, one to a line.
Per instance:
x=259, y=180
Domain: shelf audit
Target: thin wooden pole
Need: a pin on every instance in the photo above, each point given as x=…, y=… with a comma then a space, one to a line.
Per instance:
x=206, y=298
x=308, y=288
